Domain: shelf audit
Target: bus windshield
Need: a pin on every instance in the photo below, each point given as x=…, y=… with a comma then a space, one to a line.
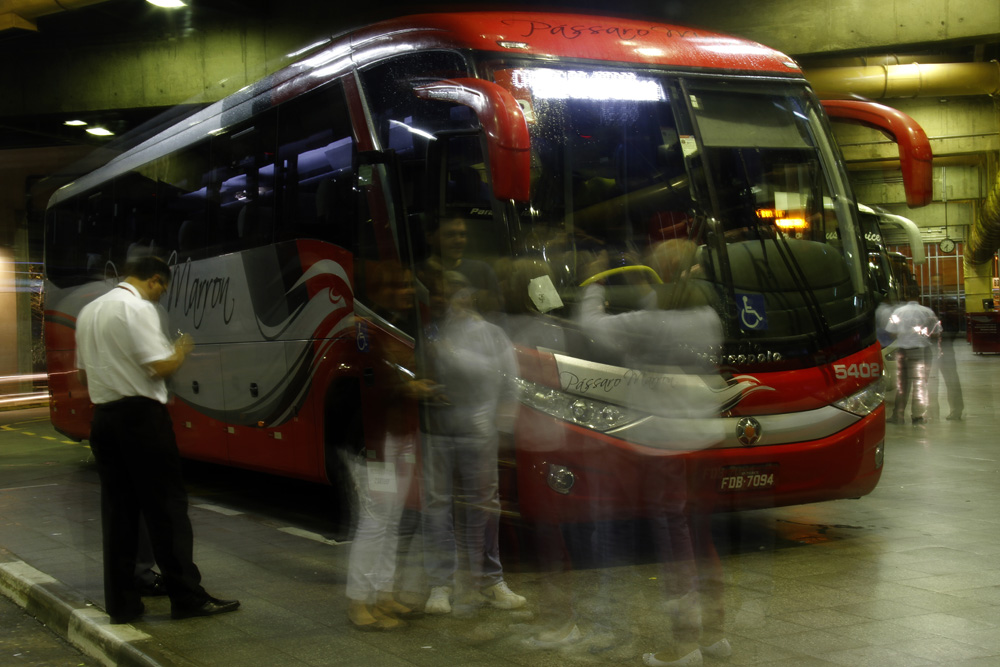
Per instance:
x=623, y=162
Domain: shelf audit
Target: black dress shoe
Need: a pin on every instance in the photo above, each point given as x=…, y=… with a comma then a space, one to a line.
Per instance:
x=155, y=589
x=127, y=617
x=211, y=607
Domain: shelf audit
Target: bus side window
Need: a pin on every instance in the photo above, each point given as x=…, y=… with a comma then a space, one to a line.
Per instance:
x=97, y=233
x=64, y=247
x=242, y=185
x=404, y=122
x=136, y=232
x=181, y=196
x=316, y=155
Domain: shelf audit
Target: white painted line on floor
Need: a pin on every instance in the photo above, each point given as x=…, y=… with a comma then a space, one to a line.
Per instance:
x=219, y=509
x=309, y=535
x=19, y=488
x=291, y=530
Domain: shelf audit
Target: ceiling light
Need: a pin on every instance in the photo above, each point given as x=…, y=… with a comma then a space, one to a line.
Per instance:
x=99, y=132
x=168, y=4
x=75, y=123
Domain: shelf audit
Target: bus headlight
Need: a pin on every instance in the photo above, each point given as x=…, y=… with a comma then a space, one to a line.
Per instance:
x=588, y=412
x=864, y=402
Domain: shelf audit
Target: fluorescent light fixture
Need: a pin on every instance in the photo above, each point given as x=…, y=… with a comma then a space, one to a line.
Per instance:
x=168, y=4
x=99, y=132
x=553, y=84
x=75, y=123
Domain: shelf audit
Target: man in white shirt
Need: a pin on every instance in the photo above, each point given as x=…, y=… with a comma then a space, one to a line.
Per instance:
x=918, y=332
x=123, y=358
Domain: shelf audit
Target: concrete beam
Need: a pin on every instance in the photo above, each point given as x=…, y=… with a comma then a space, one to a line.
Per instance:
x=203, y=67
x=810, y=27
x=212, y=60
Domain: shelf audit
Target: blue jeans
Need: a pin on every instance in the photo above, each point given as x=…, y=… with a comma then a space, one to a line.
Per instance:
x=461, y=509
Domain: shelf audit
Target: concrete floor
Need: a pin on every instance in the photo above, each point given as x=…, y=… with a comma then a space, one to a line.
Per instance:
x=909, y=575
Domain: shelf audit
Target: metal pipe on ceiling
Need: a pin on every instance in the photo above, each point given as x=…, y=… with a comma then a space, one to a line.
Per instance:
x=909, y=80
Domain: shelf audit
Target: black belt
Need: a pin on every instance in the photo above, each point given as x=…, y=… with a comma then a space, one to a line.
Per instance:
x=128, y=401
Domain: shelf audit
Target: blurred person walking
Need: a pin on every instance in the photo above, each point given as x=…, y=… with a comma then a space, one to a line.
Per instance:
x=918, y=332
x=669, y=345
x=383, y=470
x=448, y=242
x=473, y=365
x=123, y=358
x=951, y=314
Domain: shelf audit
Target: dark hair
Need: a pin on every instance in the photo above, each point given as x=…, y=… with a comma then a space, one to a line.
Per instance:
x=433, y=223
x=146, y=267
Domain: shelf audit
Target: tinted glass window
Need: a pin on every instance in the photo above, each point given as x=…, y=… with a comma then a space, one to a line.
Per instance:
x=181, y=194
x=241, y=188
x=315, y=154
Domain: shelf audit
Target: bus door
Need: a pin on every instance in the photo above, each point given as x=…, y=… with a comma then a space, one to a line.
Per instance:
x=459, y=147
x=382, y=434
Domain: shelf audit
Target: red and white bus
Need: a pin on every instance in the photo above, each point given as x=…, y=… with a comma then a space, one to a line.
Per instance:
x=555, y=137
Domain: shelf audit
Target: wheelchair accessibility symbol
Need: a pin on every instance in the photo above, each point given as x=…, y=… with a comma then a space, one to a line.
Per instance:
x=753, y=316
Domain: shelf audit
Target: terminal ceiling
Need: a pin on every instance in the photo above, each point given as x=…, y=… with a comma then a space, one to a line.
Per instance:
x=122, y=63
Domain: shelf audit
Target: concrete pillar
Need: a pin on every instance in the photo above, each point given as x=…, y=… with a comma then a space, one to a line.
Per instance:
x=17, y=253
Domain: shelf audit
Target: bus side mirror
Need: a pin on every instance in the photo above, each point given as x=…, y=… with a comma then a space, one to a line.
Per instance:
x=504, y=124
x=914, y=149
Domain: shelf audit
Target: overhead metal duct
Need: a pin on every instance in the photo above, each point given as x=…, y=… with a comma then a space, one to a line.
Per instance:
x=23, y=13
x=984, y=238
x=876, y=82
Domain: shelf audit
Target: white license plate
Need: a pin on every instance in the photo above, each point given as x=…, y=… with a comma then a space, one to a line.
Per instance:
x=748, y=478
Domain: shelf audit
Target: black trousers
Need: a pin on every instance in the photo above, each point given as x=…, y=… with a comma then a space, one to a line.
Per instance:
x=140, y=470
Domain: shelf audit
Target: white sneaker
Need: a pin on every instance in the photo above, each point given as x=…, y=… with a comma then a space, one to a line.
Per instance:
x=558, y=638
x=500, y=596
x=437, y=602
x=720, y=649
x=692, y=659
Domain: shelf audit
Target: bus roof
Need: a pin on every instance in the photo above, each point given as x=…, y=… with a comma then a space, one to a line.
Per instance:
x=579, y=36
x=539, y=34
